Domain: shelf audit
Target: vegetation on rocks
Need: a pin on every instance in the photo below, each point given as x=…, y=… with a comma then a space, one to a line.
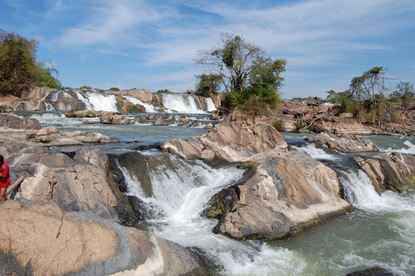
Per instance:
x=250, y=79
x=19, y=69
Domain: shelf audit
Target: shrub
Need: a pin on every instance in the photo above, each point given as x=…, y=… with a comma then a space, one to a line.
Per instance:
x=300, y=125
x=278, y=124
x=114, y=89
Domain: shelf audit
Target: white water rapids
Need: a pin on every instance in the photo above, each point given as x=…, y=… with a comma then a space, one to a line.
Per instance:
x=380, y=233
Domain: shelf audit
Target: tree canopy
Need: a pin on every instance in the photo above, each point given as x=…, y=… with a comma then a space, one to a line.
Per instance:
x=18, y=67
x=250, y=78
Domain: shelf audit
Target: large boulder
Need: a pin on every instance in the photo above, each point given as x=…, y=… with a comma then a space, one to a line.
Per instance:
x=114, y=118
x=43, y=239
x=141, y=94
x=338, y=125
x=391, y=171
x=80, y=183
x=287, y=191
x=17, y=122
x=228, y=142
x=343, y=142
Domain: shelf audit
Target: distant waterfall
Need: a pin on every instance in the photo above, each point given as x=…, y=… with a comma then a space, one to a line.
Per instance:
x=185, y=103
x=148, y=107
x=98, y=101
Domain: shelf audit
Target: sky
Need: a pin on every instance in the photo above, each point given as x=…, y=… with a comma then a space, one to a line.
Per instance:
x=154, y=44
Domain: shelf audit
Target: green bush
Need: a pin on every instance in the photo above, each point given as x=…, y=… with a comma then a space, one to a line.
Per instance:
x=136, y=108
x=278, y=124
x=300, y=125
x=114, y=89
x=18, y=67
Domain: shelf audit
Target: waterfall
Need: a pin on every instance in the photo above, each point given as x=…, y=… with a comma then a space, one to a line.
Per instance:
x=315, y=153
x=49, y=107
x=210, y=105
x=181, y=190
x=98, y=101
x=410, y=148
x=184, y=103
x=149, y=108
x=361, y=193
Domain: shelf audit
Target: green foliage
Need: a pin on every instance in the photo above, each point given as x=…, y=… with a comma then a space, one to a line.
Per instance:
x=135, y=108
x=208, y=84
x=4, y=108
x=251, y=79
x=114, y=89
x=300, y=125
x=369, y=85
x=85, y=88
x=278, y=124
x=163, y=91
x=347, y=105
x=18, y=67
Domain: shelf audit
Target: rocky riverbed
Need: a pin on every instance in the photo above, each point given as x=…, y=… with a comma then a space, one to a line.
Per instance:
x=223, y=200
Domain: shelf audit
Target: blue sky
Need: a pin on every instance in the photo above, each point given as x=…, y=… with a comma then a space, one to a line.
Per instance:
x=153, y=44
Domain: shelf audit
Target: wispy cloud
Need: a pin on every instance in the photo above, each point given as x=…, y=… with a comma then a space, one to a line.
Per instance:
x=110, y=22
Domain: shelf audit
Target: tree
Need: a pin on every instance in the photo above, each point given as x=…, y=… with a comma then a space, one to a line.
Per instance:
x=250, y=79
x=18, y=67
x=208, y=83
x=405, y=93
x=370, y=85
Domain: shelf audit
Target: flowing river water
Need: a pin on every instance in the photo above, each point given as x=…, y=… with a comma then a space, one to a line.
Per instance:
x=379, y=232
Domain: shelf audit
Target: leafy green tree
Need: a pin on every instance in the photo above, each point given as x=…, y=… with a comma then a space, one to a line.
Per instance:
x=18, y=67
x=208, y=84
x=251, y=79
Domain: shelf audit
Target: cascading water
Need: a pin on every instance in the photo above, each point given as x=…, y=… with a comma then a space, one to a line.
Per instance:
x=98, y=101
x=183, y=103
x=410, y=148
x=315, y=153
x=210, y=105
x=181, y=193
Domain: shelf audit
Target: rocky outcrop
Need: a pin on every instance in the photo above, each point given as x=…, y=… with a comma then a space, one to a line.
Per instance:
x=343, y=142
x=373, y=271
x=390, y=171
x=229, y=142
x=288, y=190
x=75, y=184
x=43, y=239
x=56, y=137
x=83, y=114
x=141, y=94
x=114, y=118
x=338, y=125
x=17, y=122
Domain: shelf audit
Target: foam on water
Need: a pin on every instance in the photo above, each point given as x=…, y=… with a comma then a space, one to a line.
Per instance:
x=149, y=108
x=316, y=153
x=210, y=105
x=181, y=103
x=361, y=193
x=182, y=194
x=410, y=148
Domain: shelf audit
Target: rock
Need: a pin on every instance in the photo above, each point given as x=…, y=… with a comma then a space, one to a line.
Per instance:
x=78, y=184
x=390, y=171
x=373, y=271
x=113, y=118
x=53, y=136
x=228, y=142
x=42, y=239
x=17, y=122
x=343, y=142
x=338, y=125
x=209, y=126
x=346, y=115
x=288, y=190
x=48, y=131
x=89, y=122
x=141, y=94
x=82, y=114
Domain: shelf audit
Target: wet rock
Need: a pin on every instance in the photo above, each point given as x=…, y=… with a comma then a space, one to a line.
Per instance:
x=114, y=118
x=337, y=125
x=42, y=239
x=343, y=142
x=17, y=122
x=229, y=142
x=373, y=271
x=82, y=114
x=53, y=136
x=209, y=126
x=390, y=171
x=288, y=191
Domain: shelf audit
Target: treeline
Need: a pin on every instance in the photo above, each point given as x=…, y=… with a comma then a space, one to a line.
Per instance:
x=371, y=101
x=19, y=69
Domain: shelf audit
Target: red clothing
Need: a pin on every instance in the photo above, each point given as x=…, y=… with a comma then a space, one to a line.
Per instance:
x=4, y=173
